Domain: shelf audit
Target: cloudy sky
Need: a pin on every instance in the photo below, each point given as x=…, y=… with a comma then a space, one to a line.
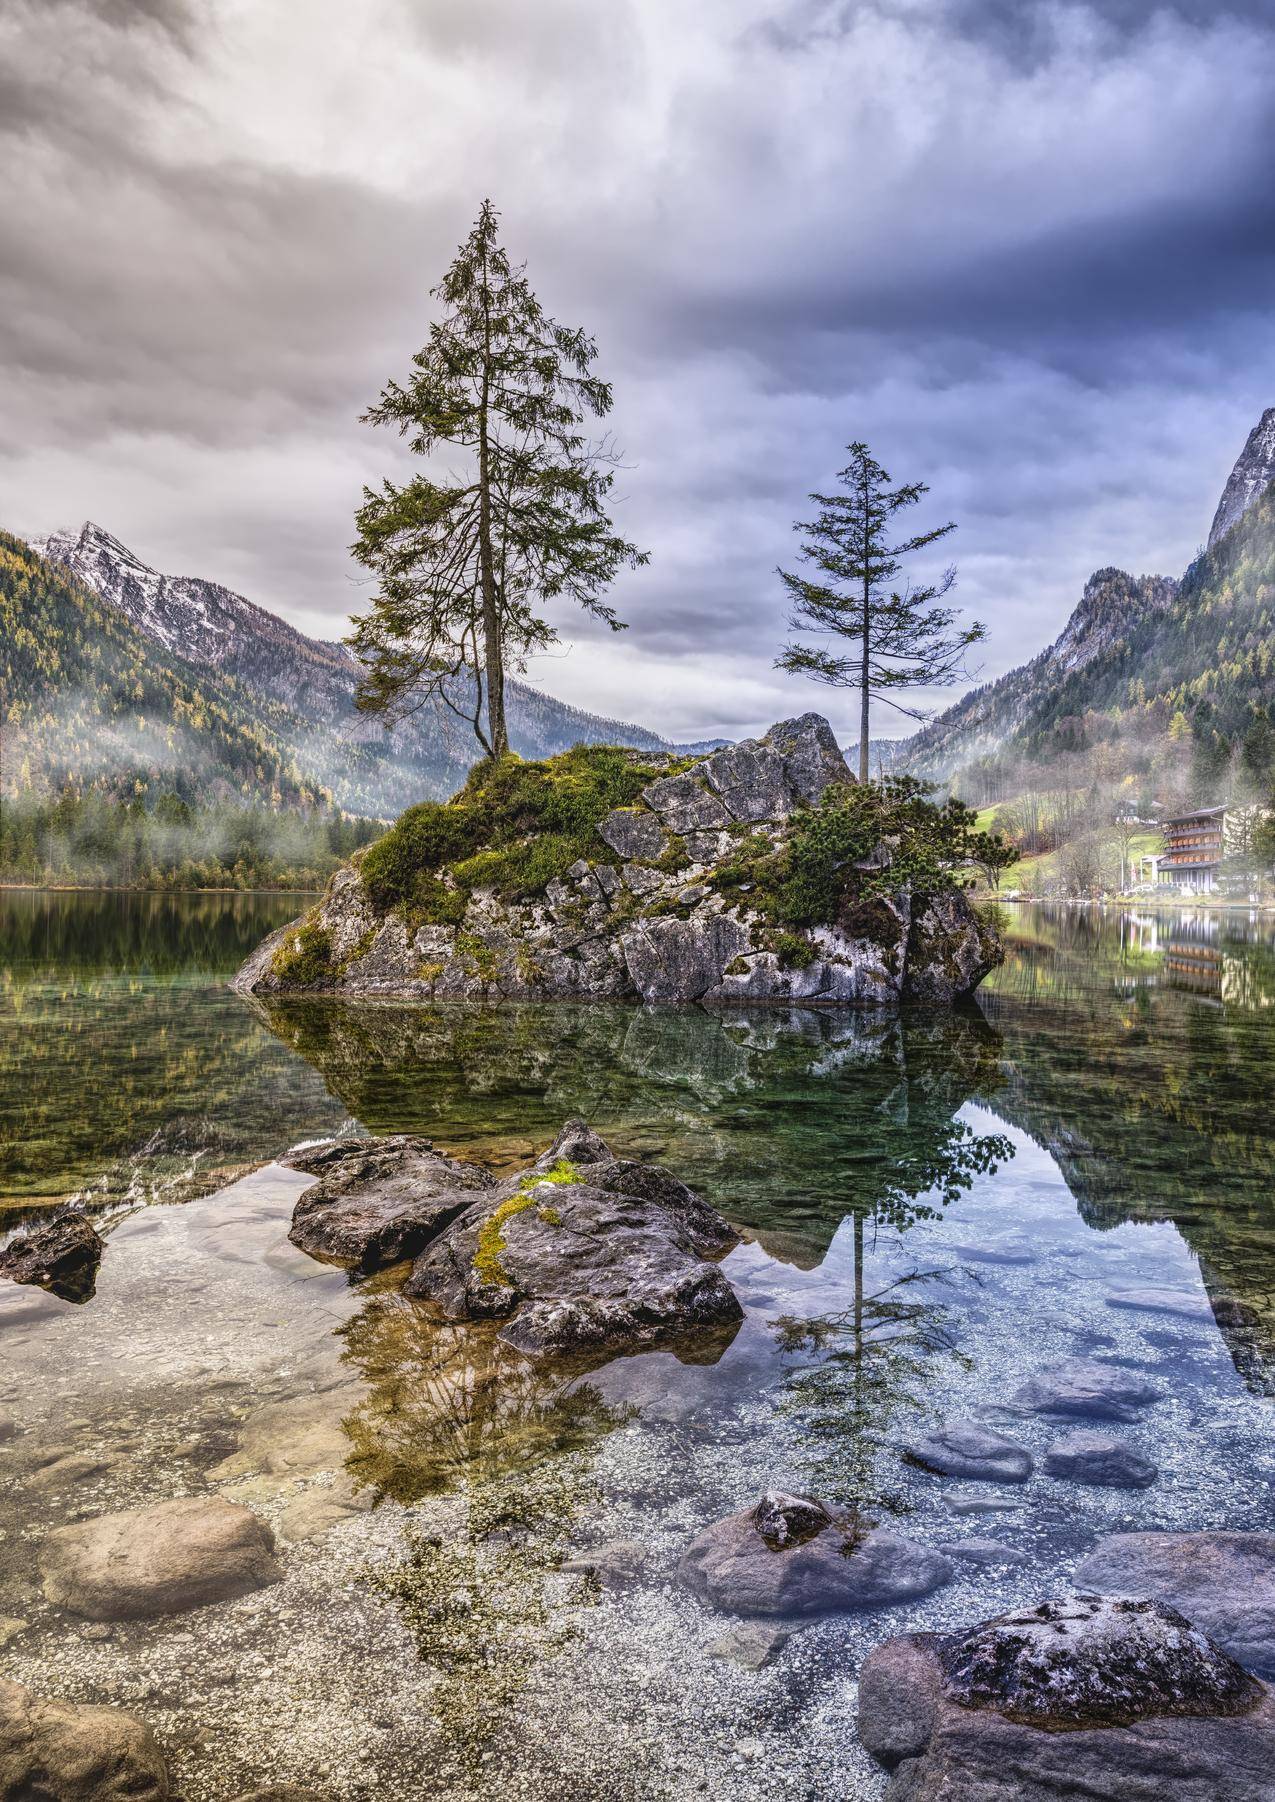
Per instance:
x=1025, y=250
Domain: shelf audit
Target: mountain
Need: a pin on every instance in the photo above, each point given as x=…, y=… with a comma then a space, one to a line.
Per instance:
x=1253, y=474
x=1138, y=654
x=85, y=694
x=313, y=682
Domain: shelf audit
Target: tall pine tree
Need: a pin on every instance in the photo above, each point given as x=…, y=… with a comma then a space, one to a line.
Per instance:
x=465, y=556
x=900, y=636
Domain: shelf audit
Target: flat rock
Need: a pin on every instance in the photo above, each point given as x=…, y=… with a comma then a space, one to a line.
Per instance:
x=11, y=1625
x=315, y=1511
x=61, y=1255
x=281, y=1792
x=1223, y=1582
x=1087, y=1388
x=161, y=1560
x=987, y=1552
x=740, y=1565
x=54, y=1751
x=751, y=1644
x=964, y=1448
x=1152, y=1300
x=1100, y=1697
x=379, y=1201
x=616, y=1564
x=615, y=1259
x=982, y=1501
x=1100, y=1461
x=299, y=1437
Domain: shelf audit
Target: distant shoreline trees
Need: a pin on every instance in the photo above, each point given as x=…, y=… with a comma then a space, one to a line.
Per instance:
x=899, y=636
x=466, y=557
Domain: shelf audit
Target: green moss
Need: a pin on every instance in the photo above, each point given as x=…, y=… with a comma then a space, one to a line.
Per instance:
x=514, y=827
x=429, y=972
x=479, y=953
x=358, y=951
x=491, y=1234
x=793, y=952
x=305, y=956
x=674, y=857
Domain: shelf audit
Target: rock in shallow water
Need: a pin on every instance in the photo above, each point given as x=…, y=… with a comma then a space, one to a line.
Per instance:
x=1100, y=1461
x=586, y=1254
x=1087, y=1388
x=1223, y=1582
x=161, y=1560
x=54, y=1751
x=379, y=1201
x=1088, y=1696
x=841, y=1565
x=963, y=1448
x=61, y=1255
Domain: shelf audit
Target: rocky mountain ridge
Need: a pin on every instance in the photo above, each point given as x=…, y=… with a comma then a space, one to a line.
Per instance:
x=1116, y=612
x=367, y=769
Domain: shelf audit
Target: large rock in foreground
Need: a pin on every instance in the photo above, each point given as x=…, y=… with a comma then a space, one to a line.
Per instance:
x=61, y=1255
x=1224, y=1582
x=670, y=897
x=161, y=1560
x=54, y=1751
x=586, y=1253
x=793, y=1555
x=583, y=1254
x=1085, y=1697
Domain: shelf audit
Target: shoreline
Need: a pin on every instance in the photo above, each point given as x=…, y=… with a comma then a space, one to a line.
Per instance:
x=91, y=888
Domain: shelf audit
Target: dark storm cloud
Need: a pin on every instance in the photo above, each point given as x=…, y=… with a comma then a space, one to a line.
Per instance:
x=1025, y=250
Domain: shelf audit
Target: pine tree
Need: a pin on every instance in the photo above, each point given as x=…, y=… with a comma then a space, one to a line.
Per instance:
x=901, y=637
x=464, y=558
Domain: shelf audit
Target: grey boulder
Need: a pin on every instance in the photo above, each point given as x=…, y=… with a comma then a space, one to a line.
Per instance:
x=378, y=1201
x=1100, y=1461
x=1223, y=1582
x=55, y=1751
x=1087, y=1388
x=819, y=1562
x=61, y=1255
x=615, y=1259
x=162, y=1560
x=633, y=834
x=963, y=1448
x=1087, y=1696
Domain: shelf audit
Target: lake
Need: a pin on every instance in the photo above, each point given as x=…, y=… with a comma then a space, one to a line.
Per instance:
x=933, y=1207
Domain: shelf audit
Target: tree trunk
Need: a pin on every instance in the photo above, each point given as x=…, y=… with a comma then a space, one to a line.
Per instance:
x=865, y=697
x=493, y=650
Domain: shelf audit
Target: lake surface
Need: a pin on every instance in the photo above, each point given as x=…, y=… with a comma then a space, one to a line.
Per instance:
x=933, y=1207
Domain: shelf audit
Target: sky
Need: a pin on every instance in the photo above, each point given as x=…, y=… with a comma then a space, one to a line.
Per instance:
x=1024, y=250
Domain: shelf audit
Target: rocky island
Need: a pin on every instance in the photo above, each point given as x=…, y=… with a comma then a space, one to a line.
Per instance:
x=760, y=873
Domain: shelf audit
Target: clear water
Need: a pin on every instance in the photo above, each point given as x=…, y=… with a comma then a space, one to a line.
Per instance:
x=932, y=1208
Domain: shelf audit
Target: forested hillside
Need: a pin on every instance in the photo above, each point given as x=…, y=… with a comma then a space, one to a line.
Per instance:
x=121, y=764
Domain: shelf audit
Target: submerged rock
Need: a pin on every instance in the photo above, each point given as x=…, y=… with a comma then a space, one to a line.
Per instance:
x=984, y=1552
x=378, y=1201
x=820, y=1562
x=55, y=1751
x=585, y=1253
x=1223, y=1582
x=1087, y=1696
x=665, y=905
x=1101, y=1461
x=161, y=1560
x=751, y=1644
x=61, y=1255
x=1085, y=1387
x=1153, y=1300
x=964, y=1448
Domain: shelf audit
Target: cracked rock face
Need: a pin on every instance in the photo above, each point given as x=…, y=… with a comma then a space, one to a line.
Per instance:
x=793, y=1555
x=61, y=1255
x=653, y=927
x=1088, y=1695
